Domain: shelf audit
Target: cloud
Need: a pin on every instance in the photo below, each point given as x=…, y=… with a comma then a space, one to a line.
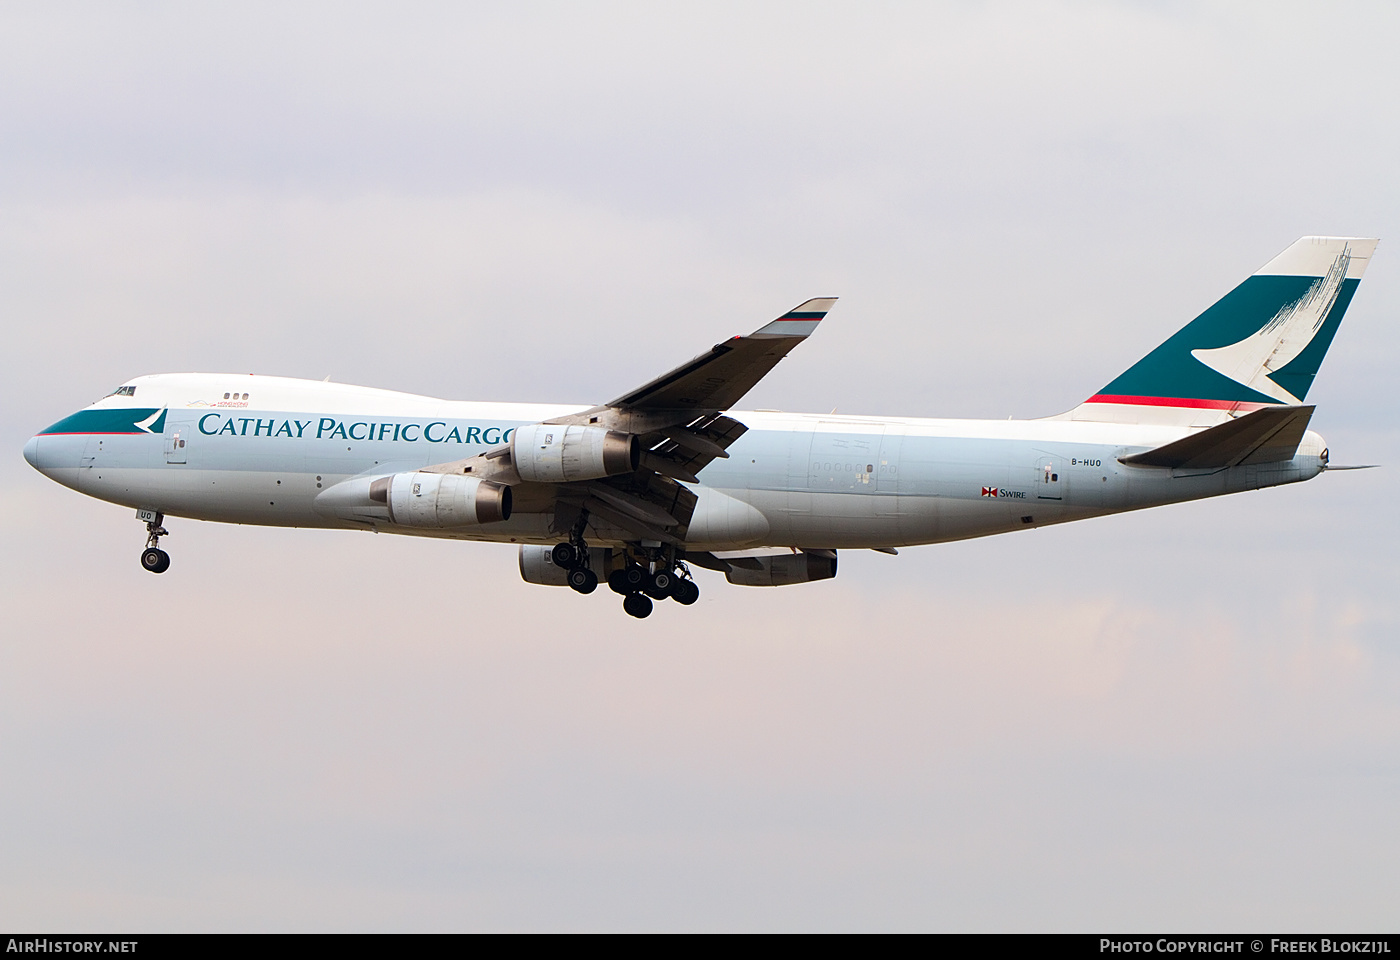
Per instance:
x=1180, y=718
x=401, y=724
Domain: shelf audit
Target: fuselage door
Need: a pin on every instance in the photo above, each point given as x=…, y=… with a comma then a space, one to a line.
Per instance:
x=1047, y=478
x=887, y=500
x=887, y=468
x=177, y=436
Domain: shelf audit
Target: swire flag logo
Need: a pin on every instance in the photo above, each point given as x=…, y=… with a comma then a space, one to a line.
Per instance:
x=989, y=491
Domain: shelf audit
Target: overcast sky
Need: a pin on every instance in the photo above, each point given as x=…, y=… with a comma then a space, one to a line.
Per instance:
x=1184, y=719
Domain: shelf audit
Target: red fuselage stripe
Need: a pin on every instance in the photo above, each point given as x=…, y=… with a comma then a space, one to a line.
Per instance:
x=1177, y=402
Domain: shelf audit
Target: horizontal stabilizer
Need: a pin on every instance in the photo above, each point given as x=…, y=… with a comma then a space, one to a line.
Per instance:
x=1268, y=435
x=728, y=561
x=710, y=561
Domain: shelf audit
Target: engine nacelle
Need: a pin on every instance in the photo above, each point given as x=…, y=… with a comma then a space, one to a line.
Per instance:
x=441, y=500
x=550, y=453
x=537, y=566
x=784, y=569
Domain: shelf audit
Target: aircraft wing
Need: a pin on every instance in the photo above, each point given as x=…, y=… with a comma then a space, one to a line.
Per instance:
x=718, y=379
x=679, y=420
x=678, y=415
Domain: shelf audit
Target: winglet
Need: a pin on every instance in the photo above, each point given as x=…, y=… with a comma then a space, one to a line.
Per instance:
x=800, y=321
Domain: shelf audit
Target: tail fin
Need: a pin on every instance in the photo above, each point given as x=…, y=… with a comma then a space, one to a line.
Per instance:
x=1260, y=344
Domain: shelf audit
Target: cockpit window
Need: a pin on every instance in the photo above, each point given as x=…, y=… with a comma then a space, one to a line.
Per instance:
x=123, y=392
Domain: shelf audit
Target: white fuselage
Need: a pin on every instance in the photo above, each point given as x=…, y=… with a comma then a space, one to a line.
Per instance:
x=796, y=480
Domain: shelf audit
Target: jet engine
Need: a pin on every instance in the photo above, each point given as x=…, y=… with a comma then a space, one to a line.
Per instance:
x=441, y=499
x=784, y=569
x=538, y=566
x=550, y=453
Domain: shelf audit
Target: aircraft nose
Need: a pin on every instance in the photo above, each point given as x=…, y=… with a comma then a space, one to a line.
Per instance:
x=56, y=457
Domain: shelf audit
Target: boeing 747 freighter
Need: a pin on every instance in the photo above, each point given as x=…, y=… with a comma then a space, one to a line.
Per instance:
x=634, y=491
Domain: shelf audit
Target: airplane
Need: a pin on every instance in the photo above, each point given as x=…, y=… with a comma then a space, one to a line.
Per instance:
x=635, y=491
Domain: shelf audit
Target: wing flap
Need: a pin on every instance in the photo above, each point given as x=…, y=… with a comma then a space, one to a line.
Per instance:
x=652, y=506
x=683, y=450
x=1268, y=435
x=643, y=510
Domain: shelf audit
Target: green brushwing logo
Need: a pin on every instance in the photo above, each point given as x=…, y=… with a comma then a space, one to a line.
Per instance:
x=1263, y=342
x=1262, y=359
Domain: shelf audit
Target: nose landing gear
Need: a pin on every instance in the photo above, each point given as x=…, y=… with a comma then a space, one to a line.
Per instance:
x=153, y=558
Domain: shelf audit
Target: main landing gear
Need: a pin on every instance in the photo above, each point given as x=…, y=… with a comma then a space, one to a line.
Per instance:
x=648, y=573
x=656, y=577
x=153, y=558
x=573, y=557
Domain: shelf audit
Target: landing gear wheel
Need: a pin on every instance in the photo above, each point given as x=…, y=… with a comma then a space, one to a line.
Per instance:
x=583, y=580
x=658, y=585
x=155, y=560
x=637, y=605
x=634, y=577
x=564, y=555
x=685, y=592
x=617, y=582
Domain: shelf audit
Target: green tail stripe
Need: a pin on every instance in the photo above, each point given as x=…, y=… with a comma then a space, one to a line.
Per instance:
x=1171, y=371
x=1297, y=377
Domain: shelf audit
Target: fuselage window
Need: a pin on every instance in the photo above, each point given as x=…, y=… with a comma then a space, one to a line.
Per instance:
x=245, y=396
x=226, y=396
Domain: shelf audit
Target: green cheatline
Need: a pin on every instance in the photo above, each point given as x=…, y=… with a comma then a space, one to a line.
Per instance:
x=123, y=420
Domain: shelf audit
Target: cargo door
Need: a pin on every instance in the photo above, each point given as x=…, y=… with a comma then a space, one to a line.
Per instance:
x=843, y=456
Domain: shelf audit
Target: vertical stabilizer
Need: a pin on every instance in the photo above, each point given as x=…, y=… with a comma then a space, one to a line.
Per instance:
x=1260, y=344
